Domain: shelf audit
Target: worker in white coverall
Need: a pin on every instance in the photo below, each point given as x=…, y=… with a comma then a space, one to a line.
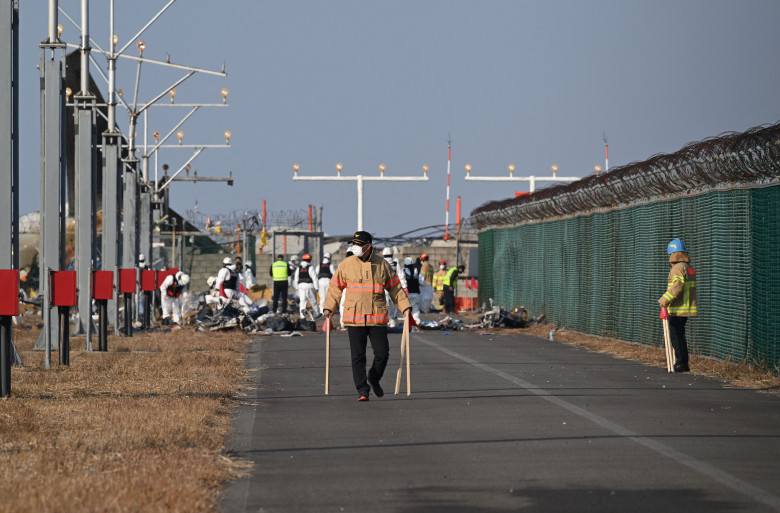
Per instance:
x=212, y=296
x=324, y=273
x=249, y=277
x=303, y=281
x=392, y=311
x=174, y=295
x=227, y=280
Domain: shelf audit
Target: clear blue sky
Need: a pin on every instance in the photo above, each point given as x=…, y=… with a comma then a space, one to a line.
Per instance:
x=365, y=82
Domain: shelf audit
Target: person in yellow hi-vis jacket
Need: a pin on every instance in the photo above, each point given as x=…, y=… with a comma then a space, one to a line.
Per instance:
x=363, y=279
x=680, y=300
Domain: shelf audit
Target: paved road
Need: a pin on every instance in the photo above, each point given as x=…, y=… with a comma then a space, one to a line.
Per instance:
x=499, y=423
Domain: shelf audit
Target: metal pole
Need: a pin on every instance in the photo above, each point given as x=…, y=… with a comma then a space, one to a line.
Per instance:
x=5, y=355
x=360, y=202
x=52, y=177
x=447, y=210
x=64, y=313
x=84, y=114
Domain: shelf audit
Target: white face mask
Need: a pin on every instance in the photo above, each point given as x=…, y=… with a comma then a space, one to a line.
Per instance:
x=357, y=250
x=441, y=267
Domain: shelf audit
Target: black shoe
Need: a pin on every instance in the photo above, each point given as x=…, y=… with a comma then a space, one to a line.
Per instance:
x=376, y=389
x=680, y=367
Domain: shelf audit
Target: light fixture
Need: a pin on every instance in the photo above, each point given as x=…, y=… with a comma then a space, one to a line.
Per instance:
x=339, y=167
x=140, y=45
x=180, y=135
x=511, y=168
x=60, y=28
x=425, y=169
x=156, y=135
x=68, y=92
x=120, y=93
x=382, y=168
x=227, y=135
x=115, y=39
x=224, y=92
x=468, y=169
x=597, y=169
x=554, y=169
x=172, y=93
x=296, y=167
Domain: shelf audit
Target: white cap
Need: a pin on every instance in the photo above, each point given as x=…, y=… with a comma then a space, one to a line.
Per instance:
x=227, y=261
x=387, y=252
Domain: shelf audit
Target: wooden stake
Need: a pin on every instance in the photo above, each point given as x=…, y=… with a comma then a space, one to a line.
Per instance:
x=669, y=349
x=327, y=354
x=404, y=352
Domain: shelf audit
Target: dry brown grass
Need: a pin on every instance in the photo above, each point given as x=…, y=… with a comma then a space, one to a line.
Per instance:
x=738, y=374
x=140, y=428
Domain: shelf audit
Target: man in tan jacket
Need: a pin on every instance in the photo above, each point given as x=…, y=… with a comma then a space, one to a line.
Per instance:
x=363, y=278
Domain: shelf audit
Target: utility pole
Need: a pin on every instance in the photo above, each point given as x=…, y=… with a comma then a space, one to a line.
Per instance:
x=360, y=179
x=530, y=179
x=52, y=219
x=9, y=176
x=86, y=184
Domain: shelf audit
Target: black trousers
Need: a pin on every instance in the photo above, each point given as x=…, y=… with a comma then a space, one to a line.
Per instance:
x=358, y=340
x=280, y=289
x=449, y=299
x=677, y=338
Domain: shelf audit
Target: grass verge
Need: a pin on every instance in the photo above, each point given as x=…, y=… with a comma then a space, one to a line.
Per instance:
x=140, y=428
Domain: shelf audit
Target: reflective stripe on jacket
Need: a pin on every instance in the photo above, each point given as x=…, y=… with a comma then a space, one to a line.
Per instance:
x=438, y=279
x=364, y=283
x=279, y=270
x=681, y=288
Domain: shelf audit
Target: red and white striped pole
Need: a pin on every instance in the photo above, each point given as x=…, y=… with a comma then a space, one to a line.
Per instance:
x=606, y=154
x=447, y=212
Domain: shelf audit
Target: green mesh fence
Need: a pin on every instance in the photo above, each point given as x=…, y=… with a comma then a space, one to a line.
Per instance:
x=603, y=273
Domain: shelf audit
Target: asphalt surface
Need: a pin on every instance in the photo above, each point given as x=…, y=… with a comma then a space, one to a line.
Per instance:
x=498, y=423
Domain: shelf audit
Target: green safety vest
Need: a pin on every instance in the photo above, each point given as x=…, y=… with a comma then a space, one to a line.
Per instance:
x=279, y=270
x=448, y=278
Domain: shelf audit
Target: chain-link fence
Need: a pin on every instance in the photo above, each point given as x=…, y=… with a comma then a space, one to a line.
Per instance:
x=601, y=270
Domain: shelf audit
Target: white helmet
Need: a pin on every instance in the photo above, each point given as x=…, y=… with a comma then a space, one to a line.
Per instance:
x=179, y=275
x=141, y=258
x=248, y=264
x=294, y=258
x=184, y=279
x=387, y=252
x=326, y=255
x=211, y=281
x=408, y=261
x=226, y=261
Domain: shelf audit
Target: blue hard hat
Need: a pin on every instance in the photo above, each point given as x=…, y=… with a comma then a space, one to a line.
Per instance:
x=675, y=246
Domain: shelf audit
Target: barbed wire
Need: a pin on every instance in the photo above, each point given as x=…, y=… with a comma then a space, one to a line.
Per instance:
x=730, y=158
x=228, y=222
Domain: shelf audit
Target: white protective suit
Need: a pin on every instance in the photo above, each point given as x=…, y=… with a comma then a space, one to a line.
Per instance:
x=303, y=282
x=174, y=295
x=324, y=272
